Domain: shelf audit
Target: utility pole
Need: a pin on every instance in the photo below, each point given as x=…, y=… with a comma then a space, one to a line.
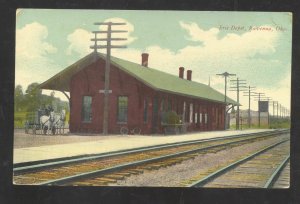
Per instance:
x=238, y=85
x=274, y=110
x=280, y=110
x=259, y=96
x=225, y=75
x=249, y=94
x=277, y=110
x=108, y=48
x=269, y=100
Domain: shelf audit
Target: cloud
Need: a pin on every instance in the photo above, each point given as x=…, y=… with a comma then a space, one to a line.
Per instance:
x=198, y=34
x=233, y=45
x=80, y=42
x=80, y=39
x=30, y=41
x=33, y=63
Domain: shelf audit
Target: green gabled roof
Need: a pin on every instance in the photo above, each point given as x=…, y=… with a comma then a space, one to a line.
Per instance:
x=153, y=78
x=61, y=81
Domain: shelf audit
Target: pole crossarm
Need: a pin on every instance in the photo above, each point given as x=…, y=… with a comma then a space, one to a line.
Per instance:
x=113, y=31
x=109, y=23
x=105, y=47
x=226, y=74
x=105, y=39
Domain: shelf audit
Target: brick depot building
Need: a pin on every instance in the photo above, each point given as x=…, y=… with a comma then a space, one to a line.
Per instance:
x=140, y=97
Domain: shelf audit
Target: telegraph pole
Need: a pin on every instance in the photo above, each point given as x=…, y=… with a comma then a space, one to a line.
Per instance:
x=277, y=110
x=249, y=94
x=108, y=48
x=259, y=95
x=269, y=100
x=238, y=85
x=274, y=110
x=280, y=110
x=225, y=75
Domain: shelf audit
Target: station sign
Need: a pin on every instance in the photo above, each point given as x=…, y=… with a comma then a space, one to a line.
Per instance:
x=103, y=91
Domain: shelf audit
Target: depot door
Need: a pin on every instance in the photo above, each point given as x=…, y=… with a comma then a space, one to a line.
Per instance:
x=155, y=115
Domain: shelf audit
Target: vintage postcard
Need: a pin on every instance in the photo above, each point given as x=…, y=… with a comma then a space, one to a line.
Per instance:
x=152, y=98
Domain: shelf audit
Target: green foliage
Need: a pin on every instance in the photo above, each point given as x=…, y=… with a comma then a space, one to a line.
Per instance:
x=172, y=118
x=33, y=97
x=19, y=119
x=280, y=123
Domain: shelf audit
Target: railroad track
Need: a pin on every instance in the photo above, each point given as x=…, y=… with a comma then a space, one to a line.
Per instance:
x=282, y=176
x=266, y=168
x=108, y=168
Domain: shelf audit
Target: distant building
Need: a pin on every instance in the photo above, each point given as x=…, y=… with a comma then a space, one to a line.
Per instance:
x=140, y=97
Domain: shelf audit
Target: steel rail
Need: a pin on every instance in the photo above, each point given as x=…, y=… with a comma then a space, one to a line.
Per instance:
x=100, y=172
x=223, y=170
x=276, y=173
x=40, y=165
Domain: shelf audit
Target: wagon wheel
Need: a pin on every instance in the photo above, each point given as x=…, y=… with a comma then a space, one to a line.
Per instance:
x=34, y=130
x=124, y=130
x=45, y=130
x=137, y=131
x=53, y=130
x=26, y=129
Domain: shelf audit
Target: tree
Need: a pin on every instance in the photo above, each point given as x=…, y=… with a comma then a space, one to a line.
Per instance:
x=18, y=98
x=33, y=97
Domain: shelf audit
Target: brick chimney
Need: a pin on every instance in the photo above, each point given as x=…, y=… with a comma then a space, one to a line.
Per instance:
x=189, y=75
x=145, y=59
x=181, y=72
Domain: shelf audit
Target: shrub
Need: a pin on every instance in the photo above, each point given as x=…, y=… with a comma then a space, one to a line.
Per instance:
x=172, y=118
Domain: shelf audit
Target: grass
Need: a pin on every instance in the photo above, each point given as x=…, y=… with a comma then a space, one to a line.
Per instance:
x=19, y=119
x=280, y=123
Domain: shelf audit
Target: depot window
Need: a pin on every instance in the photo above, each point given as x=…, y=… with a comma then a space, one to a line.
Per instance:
x=122, y=109
x=87, y=109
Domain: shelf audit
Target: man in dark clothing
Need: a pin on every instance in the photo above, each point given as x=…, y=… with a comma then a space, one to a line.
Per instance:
x=48, y=110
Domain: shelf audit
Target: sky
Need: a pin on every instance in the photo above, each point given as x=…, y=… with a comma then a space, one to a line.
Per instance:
x=256, y=46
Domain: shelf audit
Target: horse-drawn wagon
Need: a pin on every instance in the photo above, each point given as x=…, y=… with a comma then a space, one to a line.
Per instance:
x=46, y=122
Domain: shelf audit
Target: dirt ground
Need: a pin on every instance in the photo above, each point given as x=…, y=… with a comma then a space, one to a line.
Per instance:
x=22, y=140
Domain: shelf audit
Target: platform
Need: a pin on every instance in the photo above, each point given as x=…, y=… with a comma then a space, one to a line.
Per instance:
x=103, y=144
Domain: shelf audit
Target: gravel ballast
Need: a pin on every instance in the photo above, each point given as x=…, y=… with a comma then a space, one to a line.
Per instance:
x=174, y=176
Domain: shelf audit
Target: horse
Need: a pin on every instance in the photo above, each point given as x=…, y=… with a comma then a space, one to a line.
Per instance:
x=59, y=121
x=47, y=123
